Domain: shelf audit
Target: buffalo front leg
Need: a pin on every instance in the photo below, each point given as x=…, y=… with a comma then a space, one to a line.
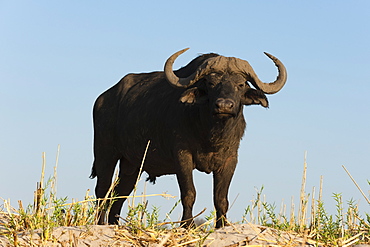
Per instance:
x=187, y=190
x=221, y=183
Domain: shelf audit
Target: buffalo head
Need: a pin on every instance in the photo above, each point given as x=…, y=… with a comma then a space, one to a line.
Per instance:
x=222, y=82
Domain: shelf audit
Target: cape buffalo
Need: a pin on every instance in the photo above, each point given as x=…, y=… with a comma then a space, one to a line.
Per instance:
x=192, y=116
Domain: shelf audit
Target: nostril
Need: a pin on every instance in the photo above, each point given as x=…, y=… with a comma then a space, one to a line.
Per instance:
x=220, y=103
x=229, y=104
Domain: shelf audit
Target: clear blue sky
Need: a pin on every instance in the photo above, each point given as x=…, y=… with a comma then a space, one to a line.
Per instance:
x=57, y=57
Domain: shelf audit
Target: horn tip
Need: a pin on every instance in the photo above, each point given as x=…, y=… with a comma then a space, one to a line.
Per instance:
x=269, y=55
x=184, y=50
x=179, y=53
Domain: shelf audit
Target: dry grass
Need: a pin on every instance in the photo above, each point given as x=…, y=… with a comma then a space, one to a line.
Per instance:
x=52, y=221
x=345, y=228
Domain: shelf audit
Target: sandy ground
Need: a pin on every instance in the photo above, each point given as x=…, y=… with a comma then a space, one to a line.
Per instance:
x=230, y=236
x=235, y=235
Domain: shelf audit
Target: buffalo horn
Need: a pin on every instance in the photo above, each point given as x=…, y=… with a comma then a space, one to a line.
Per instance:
x=273, y=87
x=170, y=75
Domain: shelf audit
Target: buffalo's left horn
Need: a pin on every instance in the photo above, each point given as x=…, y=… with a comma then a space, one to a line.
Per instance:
x=273, y=87
x=170, y=75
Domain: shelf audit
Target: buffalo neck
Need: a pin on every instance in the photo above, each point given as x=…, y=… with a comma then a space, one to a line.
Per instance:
x=221, y=133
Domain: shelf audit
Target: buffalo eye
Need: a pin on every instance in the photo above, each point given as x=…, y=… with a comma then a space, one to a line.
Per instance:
x=213, y=78
x=211, y=83
x=241, y=85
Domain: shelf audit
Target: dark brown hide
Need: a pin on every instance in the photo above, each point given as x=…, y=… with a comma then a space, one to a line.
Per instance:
x=193, y=118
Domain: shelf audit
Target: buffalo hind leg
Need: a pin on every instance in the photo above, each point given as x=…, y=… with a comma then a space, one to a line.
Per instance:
x=127, y=178
x=103, y=168
x=221, y=180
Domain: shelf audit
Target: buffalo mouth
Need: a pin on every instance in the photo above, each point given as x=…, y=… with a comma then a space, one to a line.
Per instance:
x=224, y=114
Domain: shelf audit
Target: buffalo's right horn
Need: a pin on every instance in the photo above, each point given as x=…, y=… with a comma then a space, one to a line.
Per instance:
x=170, y=75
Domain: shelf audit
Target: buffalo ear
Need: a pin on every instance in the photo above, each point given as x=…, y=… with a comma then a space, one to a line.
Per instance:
x=193, y=96
x=255, y=97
